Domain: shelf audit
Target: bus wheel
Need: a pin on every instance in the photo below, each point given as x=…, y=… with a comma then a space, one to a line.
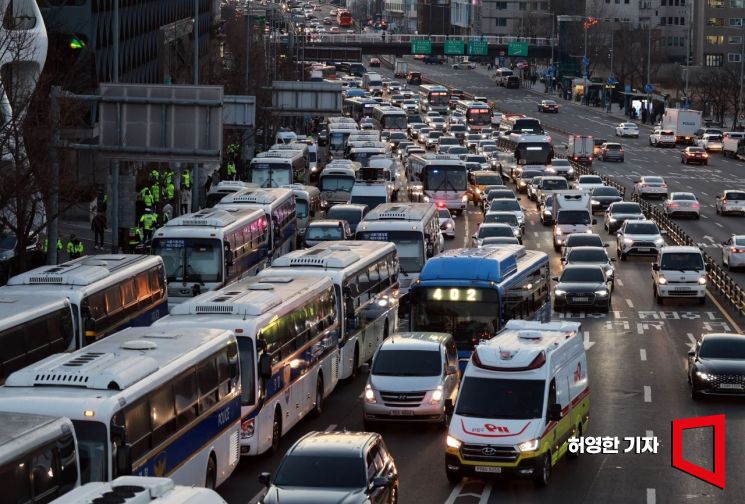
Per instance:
x=318, y=409
x=355, y=364
x=210, y=480
x=276, y=431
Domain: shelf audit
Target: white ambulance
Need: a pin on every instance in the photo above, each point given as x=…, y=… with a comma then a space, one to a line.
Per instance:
x=524, y=393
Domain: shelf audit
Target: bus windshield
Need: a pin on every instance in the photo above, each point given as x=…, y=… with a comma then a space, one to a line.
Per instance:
x=535, y=152
x=336, y=183
x=395, y=122
x=270, y=174
x=338, y=139
x=92, y=443
x=444, y=178
x=470, y=317
x=301, y=206
x=409, y=244
x=190, y=259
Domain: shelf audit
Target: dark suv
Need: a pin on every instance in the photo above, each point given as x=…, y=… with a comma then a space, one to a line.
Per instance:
x=333, y=467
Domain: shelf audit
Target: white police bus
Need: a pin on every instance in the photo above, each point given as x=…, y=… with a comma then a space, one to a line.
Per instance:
x=206, y=250
x=145, y=401
x=287, y=330
x=108, y=292
x=415, y=230
x=276, y=168
x=138, y=490
x=280, y=209
x=31, y=328
x=365, y=277
x=38, y=457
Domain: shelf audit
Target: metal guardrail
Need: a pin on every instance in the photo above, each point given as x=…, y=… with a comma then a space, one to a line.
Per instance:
x=378, y=38
x=724, y=285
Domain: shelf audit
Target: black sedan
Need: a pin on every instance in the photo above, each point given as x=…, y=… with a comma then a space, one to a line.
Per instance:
x=716, y=365
x=581, y=286
x=694, y=155
x=602, y=197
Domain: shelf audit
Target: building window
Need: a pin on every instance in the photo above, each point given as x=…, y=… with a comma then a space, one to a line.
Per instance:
x=663, y=21
x=735, y=21
x=501, y=21
x=523, y=6
x=500, y=5
x=626, y=1
x=733, y=58
x=715, y=39
x=664, y=3
x=715, y=22
x=734, y=39
x=737, y=4
x=716, y=4
x=713, y=60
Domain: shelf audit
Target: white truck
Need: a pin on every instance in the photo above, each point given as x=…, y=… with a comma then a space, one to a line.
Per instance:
x=579, y=149
x=730, y=141
x=401, y=69
x=572, y=213
x=682, y=122
x=373, y=82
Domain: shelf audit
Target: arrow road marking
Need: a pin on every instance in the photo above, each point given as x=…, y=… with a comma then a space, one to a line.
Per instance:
x=588, y=344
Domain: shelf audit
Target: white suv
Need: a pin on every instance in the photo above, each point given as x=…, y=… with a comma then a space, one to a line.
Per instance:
x=638, y=237
x=679, y=272
x=662, y=137
x=413, y=375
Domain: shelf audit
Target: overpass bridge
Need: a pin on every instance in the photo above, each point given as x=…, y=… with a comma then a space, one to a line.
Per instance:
x=345, y=46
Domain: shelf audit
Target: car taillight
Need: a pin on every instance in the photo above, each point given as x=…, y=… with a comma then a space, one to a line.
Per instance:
x=735, y=250
x=621, y=150
x=696, y=205
x=673, y=205
x=663, y=185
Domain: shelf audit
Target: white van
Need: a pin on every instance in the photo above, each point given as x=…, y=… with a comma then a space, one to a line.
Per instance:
x=679, y=272
x=371, y=193
x=285, y=137
x=524, y=393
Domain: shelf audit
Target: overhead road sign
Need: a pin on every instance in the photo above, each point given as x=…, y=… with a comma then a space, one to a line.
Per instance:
x=517, y=49
x=481, y=48
x=454, y=47
x=421, y=47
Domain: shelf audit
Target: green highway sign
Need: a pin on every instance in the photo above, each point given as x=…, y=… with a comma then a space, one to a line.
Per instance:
x=421, y=47
x=478, y=48
x=517, y=49
x=454, y=47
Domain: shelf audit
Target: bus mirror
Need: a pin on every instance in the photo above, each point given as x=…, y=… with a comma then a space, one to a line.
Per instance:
x=265, y=366
x=349, y=307
x=89, y=327
x=554, y=412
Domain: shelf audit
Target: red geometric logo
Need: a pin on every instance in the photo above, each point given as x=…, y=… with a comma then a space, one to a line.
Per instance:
x=719, y=475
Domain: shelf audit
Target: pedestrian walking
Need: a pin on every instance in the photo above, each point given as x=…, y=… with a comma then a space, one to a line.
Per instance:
x=167, y=212
x=98, y=226
x=185, y=200
x=74, y=247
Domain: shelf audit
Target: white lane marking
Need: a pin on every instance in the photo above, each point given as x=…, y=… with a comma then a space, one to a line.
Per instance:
x=647, y=393
x=643, y=354
x=719, y=224
x=651, y=496
x=588, y=344
x=331, y=428
x=256, y=498
x=702, y=192
x=486, y=493
x=703, y=216
x=619, y=282
x=630, y=303
x=535, y=233
x=691, y=338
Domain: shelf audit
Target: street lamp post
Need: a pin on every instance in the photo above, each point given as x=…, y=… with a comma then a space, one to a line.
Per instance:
x=586, y=24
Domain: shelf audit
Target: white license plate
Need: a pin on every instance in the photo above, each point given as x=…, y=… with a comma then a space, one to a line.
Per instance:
x=581, y=299
x=730, y=386
x=488, y=469
x=682, y=289
x=402, y=412
x=643, y=249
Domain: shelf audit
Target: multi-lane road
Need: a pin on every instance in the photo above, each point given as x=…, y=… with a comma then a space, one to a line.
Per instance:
x=636, y=354
x=640, y=157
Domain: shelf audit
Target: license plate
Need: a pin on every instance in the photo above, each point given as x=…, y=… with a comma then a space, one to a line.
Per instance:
x=402, y=412
x=643, y=249
x=488, y=469
x=580, y=299
x=730, y=386
x=682, y=289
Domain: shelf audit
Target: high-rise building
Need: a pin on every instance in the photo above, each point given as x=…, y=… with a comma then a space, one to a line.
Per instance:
x=433, y=17
x=145, y=33
x=718, y=31
x=401, y=15
x=527, y=18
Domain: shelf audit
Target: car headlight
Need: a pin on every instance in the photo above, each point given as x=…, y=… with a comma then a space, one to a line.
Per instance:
x=426, y=199
x=478, y=191
x=560, y=292
x=612, y=219
x=369, y=394
x=601, y=292
x=464, y=199
x=452, y=442
x=595, y=202
x=559, y=232
x=659, y=242
x=628, y=241
x=516, y=232
x=662, y=280
x=570, y=170
x=702, y=280
x=701, y=375
x=436, y=395
x=530, y=445
x=547, y=212
x=449, y=225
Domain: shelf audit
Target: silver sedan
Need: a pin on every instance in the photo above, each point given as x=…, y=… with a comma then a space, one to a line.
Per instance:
x=733, y=252
x=682, y=203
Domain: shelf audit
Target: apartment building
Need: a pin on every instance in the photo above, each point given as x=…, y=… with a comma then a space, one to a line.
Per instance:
x=718, y=30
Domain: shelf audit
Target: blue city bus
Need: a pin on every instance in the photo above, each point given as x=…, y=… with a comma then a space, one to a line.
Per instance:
x=472, y=293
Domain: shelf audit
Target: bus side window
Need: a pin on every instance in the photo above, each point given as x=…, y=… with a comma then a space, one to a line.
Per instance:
x=137, y=427
x=393, y=267
x=207, y=381
x=374, y=276
x=185, y=393
x=43, y=481
x=363, y=284
x=163, y=414
x=385, y=279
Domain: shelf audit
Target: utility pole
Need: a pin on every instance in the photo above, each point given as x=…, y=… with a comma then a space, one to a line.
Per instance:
x=196, y=42
x=742, y=73
x=649, y=64
x=115, y=169
x=53, y=224
x=688, y=50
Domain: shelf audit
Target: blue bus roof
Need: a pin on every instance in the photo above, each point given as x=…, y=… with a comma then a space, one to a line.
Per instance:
x=485, y=264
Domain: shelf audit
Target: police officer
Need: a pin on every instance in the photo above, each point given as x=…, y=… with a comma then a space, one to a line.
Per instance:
x=169, y=191
x=148, y=221
x=168, y=176
x=231, y=170
x=186, y=179
x=154, y=176
x=74, y=247
x=155, y=191
x=135, y=238
x=167, y=212
x=146, y=196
